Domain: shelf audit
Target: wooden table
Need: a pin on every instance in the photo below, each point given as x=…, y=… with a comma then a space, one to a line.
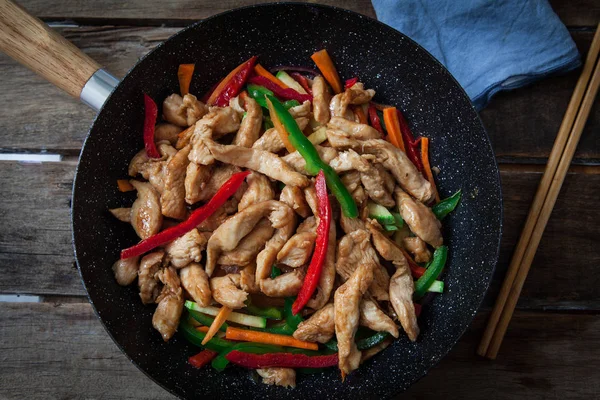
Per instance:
x=53, y=346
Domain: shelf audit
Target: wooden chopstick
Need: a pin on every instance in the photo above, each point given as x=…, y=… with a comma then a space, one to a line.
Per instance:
x=556, y=169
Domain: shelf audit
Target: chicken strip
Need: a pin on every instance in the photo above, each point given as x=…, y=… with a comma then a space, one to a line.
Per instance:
x=249, y=247
x=184, y=111
x=227, y=236
x=298, y=163
x=354, y=129
x=220, y=174
x=258, y=160
x=320, y=327
x=327, y=279
x=146, y=216
x=392, y=158
x=168, y=132
x=186, y=249
x=285, y=377
x=123, y=214
x=352, y=182
x=302, y=110
x=321, y=100
x=297, y=251
x=195, y=281
x=218, y=122
x=226, y=291
x=338, y=107
x=250, y=125
x=147, y=282
x=196, y=178
x=266, y=258
x=126, y=270
x=152, y=169
x=172, y=198
x=271, y=139
x=346, y=302
x=420, y=219
x=293, y=196
x=418, y=248
x=286, y=285
x=373, y=318
x=259, y=190
x=351, y=224
x=248, y=279
x=170, y=304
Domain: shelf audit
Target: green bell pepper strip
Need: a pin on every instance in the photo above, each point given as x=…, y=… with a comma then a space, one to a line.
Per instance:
x=195, y=337
x=267, y=312
x=362, y=344
x=275, y=272
x=432, y=272
x=258, y=93
x=205, y=319
x=446, y=206
x=220, y=362
x=313, y=161
x=289, y=326
x=268, y=124
x=290, y=103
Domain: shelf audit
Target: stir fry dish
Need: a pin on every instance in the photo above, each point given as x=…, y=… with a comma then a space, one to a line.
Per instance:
x=288, y=223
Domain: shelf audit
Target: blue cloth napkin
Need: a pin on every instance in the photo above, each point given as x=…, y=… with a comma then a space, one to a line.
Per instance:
x=487, y=45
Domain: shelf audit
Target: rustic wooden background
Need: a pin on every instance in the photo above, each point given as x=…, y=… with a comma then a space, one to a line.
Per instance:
x=56, y=348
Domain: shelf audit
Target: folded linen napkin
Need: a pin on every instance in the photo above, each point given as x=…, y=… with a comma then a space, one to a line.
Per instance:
x=488, y=45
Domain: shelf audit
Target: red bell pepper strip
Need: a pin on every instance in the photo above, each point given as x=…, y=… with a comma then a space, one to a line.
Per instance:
x=202, y=358
x=301, y=79
x=374, y=118
x=313, y=274
x=199, y=215
x=410, y=143
x=207, y=95
x=283, y=360
x=350, y=82
x=150, y=114
x=286, y=94
x=233, y=83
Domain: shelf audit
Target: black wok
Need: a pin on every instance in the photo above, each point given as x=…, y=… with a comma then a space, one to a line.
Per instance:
x=403, y=74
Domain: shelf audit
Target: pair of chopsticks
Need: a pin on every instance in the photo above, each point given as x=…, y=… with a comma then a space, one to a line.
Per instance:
x=562, y=153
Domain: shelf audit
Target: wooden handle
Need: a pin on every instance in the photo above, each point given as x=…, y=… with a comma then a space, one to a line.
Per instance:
x=32, y=43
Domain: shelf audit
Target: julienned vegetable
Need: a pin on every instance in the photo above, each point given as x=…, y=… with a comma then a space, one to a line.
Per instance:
x=266, y=74
x=312, y=158
x=432, y=272
x=233, y=83
x=202, y=358
x=220, y=362
x=436, y=287
x=184, y=75
x=195, y=337
x=285, y=94
x=267, y=312
x=427, y=167
x=290, y=82
x=150, y=114
x=217, y=323
x=390, y=116
x=446, y=206
x=374, y=118
x=313, y=274
x=410, y=143
x=238, y=318
x=362, y=344
x=248, y=335
x=380, y=213
x=199, y=215
x=205, y=319
x=325, y=65
x=283, y=360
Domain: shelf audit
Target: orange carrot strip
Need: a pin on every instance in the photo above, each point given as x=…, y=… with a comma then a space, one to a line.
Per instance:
x=183, y=137
x=260, y=70
x=247, y=335
x=360, y=113
x=219, y=320
x=283, y=133
x=184, y=74
x=217, y=91
x=124, y=185
x=202, y=328
x=427, y=166
x=390, y=117
x=325, y=65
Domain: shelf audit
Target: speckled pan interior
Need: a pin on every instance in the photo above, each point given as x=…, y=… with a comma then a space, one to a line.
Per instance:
x=403, y=74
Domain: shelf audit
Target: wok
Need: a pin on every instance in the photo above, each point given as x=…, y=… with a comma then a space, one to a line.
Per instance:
x=399, y=70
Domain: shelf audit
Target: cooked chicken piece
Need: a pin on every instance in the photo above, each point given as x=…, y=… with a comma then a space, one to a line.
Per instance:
x=297, y=251
x=297, y=162
x=285, y=377
x=228, y=235
x=321, y=100
x=236, y=104
x=353, y=129
x=351, y=224
x=308, y=225
x=310, y=194
x=420, y=219
x=168, y=132
x=370, y=352
x=249, y=247
x=358, y=95
x=248, y=279
x=226, y=291
x=320, y=327
x=338, y=107
x=170, y=304
x=327, y=279
x=218, y=122
x=418, y=248
x=259, y=190
x=123, y=214
x=355, y=95
x=196, y=179
x=375, y=181
x=285, y=285
x=355, y=249
x=354, y=185
x=346, y=302
x=266, y=258
x=126, y=270
x=195, y=281
x=183, y=111
x=392, y=158
x=401, y=283
x=172, y=198
x=373, y=318
x=258, y=160
x=147, y=282
x=221, y=215
x=218, y=177
x=152, y=169
x=271, y=139
x=250, y=125
x=186, y=249
x=146, y=217
x=293, y=196
x=303, y=110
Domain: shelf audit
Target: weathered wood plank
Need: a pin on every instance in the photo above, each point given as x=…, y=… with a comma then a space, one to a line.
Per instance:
x=36, y=253
x=72, y=349
x=522, y=123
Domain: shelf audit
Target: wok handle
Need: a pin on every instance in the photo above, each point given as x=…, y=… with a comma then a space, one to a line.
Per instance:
x=32, y=43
